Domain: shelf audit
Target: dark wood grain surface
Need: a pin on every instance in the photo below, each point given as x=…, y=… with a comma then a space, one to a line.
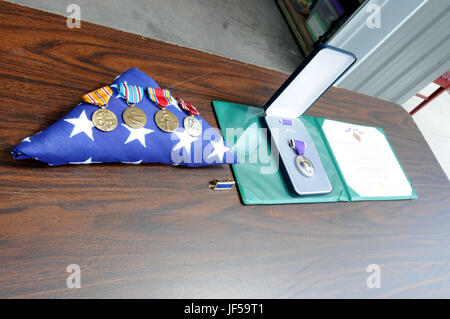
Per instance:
x=158, y=231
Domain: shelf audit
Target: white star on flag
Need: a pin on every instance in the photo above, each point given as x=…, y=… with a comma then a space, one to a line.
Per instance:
x=137, y=134
x=88, y=161
x=219, y=149
x=81, y=125
x=185, y=141
x=26, y=139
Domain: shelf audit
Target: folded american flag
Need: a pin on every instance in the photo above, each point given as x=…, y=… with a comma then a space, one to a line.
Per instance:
x=75, y=139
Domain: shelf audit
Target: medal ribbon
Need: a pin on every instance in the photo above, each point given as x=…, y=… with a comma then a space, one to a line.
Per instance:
x=298, y=146
x=192, y=110
x=133, y=94
x=160, y=97
x=99, y=97
x=286, y=122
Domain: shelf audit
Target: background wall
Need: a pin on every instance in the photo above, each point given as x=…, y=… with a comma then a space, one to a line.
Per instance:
x=410, y=50
x=252, y=31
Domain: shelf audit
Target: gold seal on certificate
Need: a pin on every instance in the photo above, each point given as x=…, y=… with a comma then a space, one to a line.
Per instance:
x=192, y=125
x=166, y=120
x=104, y=120
x=134, y=117
x=305, y=166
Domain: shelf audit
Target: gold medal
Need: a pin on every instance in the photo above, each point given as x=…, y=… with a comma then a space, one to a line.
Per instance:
x=104, y=120
x=305, y=166
x=192, y=125
x=166, y=120
x=134, y=117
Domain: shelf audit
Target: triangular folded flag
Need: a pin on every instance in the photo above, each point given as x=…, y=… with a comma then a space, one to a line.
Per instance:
x=77, y=139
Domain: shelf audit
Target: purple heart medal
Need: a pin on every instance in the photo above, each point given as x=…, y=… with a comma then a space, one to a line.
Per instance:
x=305, y=166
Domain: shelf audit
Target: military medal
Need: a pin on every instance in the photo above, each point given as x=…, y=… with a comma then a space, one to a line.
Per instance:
x=164, y=119
x=305, y=166
x=133, y=116
x=103, y=119
x=191, y=124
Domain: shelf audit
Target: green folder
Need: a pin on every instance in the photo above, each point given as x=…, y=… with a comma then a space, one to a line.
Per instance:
x=270, y=188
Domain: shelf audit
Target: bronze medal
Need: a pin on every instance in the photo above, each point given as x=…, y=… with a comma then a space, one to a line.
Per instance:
x=132, y=94
x=134, y=117
x=192, y=125
x=104, y=120
x=166, y=120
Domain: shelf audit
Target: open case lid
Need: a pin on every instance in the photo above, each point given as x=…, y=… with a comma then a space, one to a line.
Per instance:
x=309, y=81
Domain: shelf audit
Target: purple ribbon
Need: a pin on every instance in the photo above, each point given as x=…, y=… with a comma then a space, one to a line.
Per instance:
x=298, y=146
x=286, y=122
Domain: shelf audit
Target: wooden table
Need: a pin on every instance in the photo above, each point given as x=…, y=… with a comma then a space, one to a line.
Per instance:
x=157, y=230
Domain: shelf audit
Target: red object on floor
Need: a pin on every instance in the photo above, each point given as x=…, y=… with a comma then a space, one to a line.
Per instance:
x=444, y=84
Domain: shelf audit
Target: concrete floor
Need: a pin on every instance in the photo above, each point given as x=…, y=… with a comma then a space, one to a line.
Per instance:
x=252, y=31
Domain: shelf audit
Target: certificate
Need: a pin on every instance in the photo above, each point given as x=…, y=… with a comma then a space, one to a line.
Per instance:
x=366, y=160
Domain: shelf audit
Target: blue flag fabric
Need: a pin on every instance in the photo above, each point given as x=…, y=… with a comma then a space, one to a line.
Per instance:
x=74, y=139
